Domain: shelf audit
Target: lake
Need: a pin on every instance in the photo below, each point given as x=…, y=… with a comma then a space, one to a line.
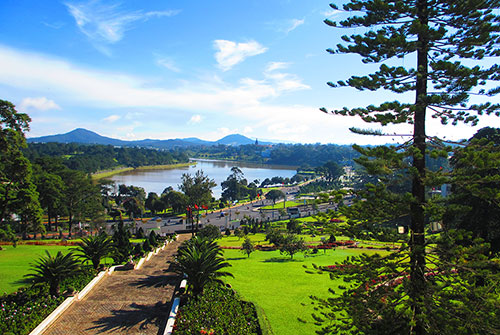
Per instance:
x=157, y=180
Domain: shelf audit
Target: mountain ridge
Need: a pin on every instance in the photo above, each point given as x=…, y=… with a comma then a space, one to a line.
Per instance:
x=85, y=136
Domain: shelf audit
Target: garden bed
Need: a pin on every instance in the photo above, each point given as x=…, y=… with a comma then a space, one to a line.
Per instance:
x=24, y=309
x=218, y=310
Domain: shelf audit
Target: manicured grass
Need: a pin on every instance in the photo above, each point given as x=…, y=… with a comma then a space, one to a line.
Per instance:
x=233, y=241
x=281, y=287
x=279, y=205
x=260, y=238
x=16, y=262
x=109, y=173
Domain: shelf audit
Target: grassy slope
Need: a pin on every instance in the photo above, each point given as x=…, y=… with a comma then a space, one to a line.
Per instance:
x=281, y=286
x=15, y=263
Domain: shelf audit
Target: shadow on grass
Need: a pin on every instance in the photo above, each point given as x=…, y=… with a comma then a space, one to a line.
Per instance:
x=236, y=258
x=135, y=316
x=280, y=260
x=27, y=281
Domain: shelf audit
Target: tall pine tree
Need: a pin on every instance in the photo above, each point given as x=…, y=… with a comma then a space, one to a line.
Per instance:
x=453, y=43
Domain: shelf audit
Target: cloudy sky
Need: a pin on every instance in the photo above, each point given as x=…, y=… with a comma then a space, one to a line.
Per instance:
x=172, y=69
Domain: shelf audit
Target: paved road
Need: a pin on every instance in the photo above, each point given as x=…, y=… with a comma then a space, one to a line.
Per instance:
x=233, y=215
x=127, y=302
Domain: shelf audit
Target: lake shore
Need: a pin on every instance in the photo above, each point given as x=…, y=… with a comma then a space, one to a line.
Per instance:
x=109, y=173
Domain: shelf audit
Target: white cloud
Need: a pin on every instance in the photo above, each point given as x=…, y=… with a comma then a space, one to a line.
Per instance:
x=41, y=103
x=54, y=25
x=247, y=130
x=276, y=66
x=294, y=24
x=167, y=64
x=284, y=81
x=133, y=115
x=230, y=53
x=249, y=103
x=112, y=118
x=224, y=131
x=331, y=13
x=106, y=22
x=195, y=119
x=30, y=71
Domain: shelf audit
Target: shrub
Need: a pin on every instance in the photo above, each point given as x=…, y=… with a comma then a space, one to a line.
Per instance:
x=218, y=310
x=153, y=240
x=146, y=246
x=210, y=232
x=138, y=252
x=139, y=233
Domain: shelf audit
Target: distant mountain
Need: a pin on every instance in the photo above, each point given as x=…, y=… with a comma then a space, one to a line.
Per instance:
x=85, y=136
x=235, y=140
x=78, y=135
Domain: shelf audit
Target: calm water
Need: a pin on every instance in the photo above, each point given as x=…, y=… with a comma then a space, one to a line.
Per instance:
x=157, y=180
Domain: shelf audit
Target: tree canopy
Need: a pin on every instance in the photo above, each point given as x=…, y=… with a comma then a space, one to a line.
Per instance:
x=449, y=44
x=18, y=194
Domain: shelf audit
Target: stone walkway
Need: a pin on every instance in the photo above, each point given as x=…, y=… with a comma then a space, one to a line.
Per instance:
x=127, y=302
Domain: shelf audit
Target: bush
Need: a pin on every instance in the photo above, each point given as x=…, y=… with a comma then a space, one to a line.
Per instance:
x=210, y=232
x=153, y=240
x=139, y=233
x=146, y=246
x=138, y=252
x=218, y=310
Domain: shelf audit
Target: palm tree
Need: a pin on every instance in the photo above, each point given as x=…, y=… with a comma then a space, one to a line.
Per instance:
x=200, y=260
x=52, y=269
x=95, y=248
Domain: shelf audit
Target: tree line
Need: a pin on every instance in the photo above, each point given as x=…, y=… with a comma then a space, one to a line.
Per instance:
x=304, y=155
x=91, y=158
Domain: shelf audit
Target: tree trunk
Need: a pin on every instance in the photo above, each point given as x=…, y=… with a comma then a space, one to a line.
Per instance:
x=49, y=222
x=417, y=239
x=70, y=223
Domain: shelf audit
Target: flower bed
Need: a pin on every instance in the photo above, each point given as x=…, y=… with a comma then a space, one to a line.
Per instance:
x=22, y=311
x=266, y=247
x=217, y=311
x=335, y=244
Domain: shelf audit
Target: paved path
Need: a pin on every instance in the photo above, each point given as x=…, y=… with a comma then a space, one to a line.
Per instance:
x=127, y=302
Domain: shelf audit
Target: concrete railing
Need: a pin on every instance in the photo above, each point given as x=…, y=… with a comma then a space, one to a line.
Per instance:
x=171, y=317
x=80, y=295
x=53, y=316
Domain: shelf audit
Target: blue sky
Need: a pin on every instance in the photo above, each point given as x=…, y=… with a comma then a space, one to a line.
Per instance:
x=172, y=69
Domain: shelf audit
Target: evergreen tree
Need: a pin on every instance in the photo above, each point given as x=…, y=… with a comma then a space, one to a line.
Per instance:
x=121, y=242
x=153, y=239
x=18, y=194
x=450, y=40
x=247, y=247
x=475, y=190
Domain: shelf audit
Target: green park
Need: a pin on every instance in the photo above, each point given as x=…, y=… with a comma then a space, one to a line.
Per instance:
x=241, y=236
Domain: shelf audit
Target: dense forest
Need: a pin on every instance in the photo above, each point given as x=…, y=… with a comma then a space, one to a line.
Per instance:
x=312, y=155
x=93, y=158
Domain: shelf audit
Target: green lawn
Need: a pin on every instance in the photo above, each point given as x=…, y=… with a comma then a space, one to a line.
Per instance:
x=280, y=286
x=15, y=263
x=260, y=238
x=279, y=205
